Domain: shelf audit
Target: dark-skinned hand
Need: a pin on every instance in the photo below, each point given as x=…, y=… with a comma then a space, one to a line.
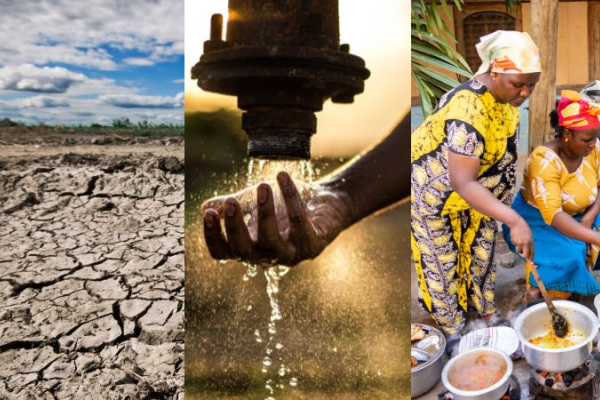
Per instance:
x=261, y=229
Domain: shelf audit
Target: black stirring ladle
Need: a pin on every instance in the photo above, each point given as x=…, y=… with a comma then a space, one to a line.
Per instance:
x=559, y=323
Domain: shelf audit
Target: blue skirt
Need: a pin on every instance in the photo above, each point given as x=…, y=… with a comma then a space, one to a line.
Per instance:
x=560, y=260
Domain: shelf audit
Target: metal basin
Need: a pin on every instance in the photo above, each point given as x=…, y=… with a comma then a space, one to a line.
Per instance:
x=426, y=375
x=535, y=321
x=468, y=359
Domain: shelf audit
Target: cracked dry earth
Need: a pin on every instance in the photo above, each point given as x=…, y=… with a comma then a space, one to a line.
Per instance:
x=91, y=272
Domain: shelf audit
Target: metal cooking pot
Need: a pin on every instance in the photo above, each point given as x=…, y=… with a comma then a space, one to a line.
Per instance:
x=427, y=375
x=494, y=392
x=535, y=321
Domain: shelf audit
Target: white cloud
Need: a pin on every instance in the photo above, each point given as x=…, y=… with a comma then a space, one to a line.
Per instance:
x=97, y=35
x=88, y=111
x=77, y=33
x=137, y=101
x=56, y=80
x=144, y=62
x=29, y=78
x=84, y=113
x=41, y=102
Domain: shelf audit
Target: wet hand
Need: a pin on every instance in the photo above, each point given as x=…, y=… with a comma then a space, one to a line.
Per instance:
x=262, y=230
x=522, y=238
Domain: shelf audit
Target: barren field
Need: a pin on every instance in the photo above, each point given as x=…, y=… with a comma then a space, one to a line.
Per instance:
x=91, y=266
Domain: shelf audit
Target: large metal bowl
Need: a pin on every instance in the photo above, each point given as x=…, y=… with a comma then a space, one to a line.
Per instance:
x=535, y=321
x=427, y=375
x=493, y=392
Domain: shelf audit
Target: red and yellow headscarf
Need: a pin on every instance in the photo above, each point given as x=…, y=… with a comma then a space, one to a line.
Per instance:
x=575, y=113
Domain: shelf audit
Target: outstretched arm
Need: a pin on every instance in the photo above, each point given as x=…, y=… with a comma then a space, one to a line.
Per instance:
x=568, y=226
x=463, y=172
x=377, y=178
x=313, y=215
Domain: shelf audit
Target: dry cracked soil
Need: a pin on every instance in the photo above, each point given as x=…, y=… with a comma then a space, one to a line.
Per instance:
x=91, y=267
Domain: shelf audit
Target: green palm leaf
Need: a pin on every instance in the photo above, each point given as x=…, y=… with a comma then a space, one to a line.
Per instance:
x=430, y=50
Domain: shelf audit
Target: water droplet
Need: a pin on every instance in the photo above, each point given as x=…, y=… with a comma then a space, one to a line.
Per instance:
x=267, y=362
x=222, y=262
x=282, y=371
x=293, y=382
x=249, y=308
x=278, y=346
x=378, y=373
x=245, y=278
x=264, y=370
x=272, y=329
x=249, y=182
x=335, y=349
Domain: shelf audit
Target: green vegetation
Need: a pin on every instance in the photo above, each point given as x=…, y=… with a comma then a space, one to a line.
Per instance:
x=432, y=44
x=122, y=126
x=215, y=139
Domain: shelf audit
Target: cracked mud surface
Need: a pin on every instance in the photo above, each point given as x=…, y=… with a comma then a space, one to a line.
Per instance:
x=91, y=269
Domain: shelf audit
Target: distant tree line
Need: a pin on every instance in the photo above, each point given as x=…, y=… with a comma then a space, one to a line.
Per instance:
x=122, y=125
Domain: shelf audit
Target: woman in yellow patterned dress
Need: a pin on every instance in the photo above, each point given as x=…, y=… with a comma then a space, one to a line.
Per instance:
x=559, y=200
x=463, y=160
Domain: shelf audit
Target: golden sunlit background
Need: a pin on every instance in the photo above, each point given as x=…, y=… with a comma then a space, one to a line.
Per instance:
x=377, y=31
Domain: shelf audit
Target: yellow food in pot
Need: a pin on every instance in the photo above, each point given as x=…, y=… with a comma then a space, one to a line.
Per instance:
x=551, y=341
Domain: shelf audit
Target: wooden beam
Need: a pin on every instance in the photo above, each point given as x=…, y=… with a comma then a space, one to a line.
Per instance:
x=593, y=22
x=544, y=27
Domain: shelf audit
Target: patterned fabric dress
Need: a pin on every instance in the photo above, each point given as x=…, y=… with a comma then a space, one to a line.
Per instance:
x=548, y=187
x=453, y=245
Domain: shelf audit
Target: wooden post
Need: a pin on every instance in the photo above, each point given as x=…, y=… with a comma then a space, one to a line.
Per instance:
x=593, y=40
x=544, y=27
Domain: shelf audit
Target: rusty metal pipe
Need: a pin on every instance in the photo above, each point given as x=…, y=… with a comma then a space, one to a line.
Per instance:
x=283, y=60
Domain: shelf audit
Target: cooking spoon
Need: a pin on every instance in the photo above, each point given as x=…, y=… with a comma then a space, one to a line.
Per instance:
x=559, y=323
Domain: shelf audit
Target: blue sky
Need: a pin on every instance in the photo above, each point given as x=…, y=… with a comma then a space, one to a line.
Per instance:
x=65, y=62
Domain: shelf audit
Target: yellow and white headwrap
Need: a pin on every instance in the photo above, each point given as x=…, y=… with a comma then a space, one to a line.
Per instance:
x=508, y=52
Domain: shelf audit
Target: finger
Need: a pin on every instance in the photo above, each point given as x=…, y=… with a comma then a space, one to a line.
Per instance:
x=268, y=231
x=531, y=252
x=519, y=250
x=238, y=236
x=525, y=252
x=215, y=240
x=302, y=233
x=215, y=203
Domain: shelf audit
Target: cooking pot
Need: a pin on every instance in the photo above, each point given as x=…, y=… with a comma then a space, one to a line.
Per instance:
x=425, y=376
x=468, y=358
x=535, y=321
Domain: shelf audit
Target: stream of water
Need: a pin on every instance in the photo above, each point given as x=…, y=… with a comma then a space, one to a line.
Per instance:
x=265, y=171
